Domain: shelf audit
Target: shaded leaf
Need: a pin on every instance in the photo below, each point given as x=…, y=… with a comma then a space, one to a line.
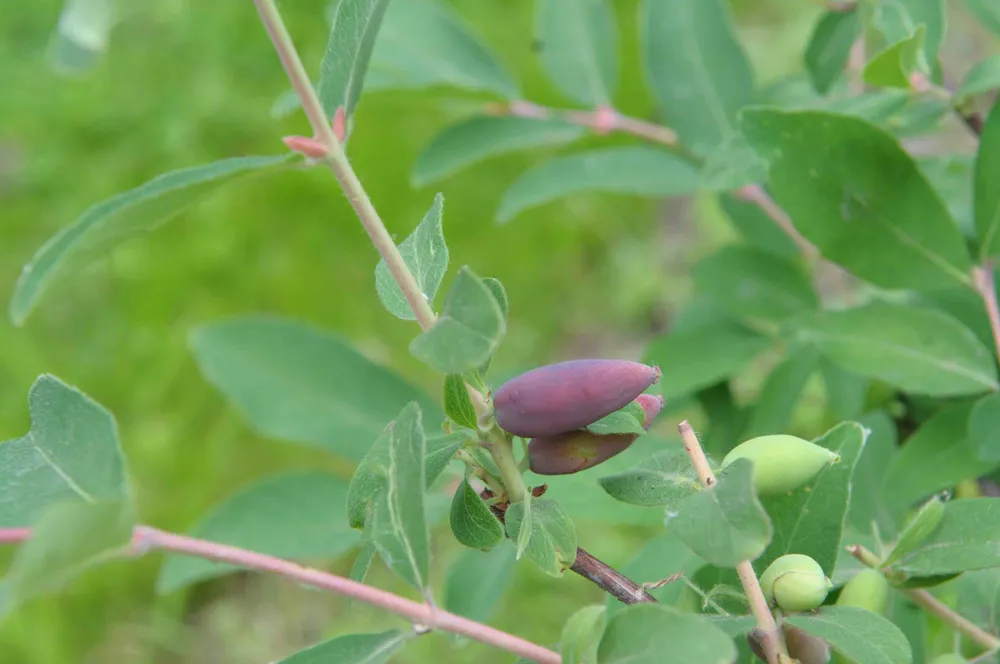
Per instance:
x=830, y=47
x=966, y=539
x=641, y=171
x=581, y=635
x=986, y=196
x=984, y=427
x=477, y=581
x=629, y=419
x=898, y=20
x=867, y=512
x=472, y=522
x=987, y=12
x=295, y=382
x=642, y=633
x=457, y=403
x=731, y=165
x=473, y=140
x=951, y=176
x=860, y=635
x=665, y=478
x=111, y=222
x=552, y=544
x=352, y=649
x=892, y=67
x=917, y=530
x=426, y=255
x=983, y=77
x=660, y=557
x=777, y=399
x=579, y=48
x=757, y=228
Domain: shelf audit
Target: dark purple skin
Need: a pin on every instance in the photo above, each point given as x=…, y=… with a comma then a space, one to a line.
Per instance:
x=571, y=452
x=567, y=396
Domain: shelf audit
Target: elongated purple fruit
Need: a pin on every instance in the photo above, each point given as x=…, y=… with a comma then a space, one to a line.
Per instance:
x=569, y=395
x=571, y=452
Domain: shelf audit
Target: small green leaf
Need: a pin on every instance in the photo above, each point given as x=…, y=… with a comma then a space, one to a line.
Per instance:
x=699, y=358
x=291, y=515
x=852, y=191
x=647, y=633
x=665, y=478
x=524, y=529
x=918, y=350
x=966, y=539
x=986, y=195
x=660, y=557
x=106, y=225
x=776, y=402
x=352, y=649
x=363, y=562
x=867, y=513
x=893, y=66
x=582, y=634
x=499, y=294
x=468, y=331
x=399, y=525
x=896, y=21
x=696, y=67
x=987, y=12
x=810, y=520
x=472, y=522
x=579, y=48
x=983, y=77
x=354, y=29
x=919, y=528
x=757, y=228
x=859, y=635
x=475, y=139
x=457, y=403
x=477, y=581
x=552, y=545
x=627, y=420
x=69, y=538
x=984, y=427
x=724, y=524
x=641, y=171
x=830, y=47
x=425, y=254
x=70, y=453
x=731, y=165
x=753, y=284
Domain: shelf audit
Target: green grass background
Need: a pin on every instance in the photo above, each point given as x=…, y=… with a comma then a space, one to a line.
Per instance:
x=190, y=81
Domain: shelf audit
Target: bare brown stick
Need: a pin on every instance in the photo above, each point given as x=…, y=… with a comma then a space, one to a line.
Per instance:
x=755, y=194
x=769, y=634
x=146, y=539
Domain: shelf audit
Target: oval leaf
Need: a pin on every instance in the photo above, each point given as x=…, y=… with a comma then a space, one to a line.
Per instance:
x=352, y=649
x=643, y=633
x=472, y=522
x=830, y=46
x=457, y=403
x=860, y=635
x=579, y=48
x=552, y=544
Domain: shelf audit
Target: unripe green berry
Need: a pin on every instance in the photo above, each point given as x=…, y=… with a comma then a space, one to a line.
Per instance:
x=781, y=462
x=869, y=589
x=795, y=583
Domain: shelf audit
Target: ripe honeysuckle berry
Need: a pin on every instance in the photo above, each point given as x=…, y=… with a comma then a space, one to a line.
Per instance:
x=781, y=462
x=795, y=582
x=869, y=589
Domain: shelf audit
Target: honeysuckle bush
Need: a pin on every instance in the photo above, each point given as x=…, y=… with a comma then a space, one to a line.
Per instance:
x=813, y=173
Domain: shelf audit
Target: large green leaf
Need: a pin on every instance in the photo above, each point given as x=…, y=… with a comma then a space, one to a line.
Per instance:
x=642, y=171
x=860, y=635
x=352, y=649
x=475, y=139
x=579, y=48
x=651, y=633
x=349, y=48
x=696, y=68
x=472, y=522
x=109, y=223
x=552, y=544
x=294, y=515
x=830, y=47
x=985, y=194
x=852, y=191
x=426, y=255
x=966, y=539
x=71, y=453
x=299, y=383
x=919, y=350
x=775, y=405
x=477, y=581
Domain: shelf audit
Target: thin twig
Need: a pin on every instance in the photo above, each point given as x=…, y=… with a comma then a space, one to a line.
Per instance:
x=755, y=194
x=146, y=539
x=983, y=278
x=771, y=640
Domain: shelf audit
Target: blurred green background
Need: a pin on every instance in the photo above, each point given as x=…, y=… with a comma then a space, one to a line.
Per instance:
x=186, y=82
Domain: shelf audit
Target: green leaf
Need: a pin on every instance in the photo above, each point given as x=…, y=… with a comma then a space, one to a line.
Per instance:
x=425, y=44
x=457, y=403
x=109, y=223
x=810, y=520
x=936, y=457
x=984, y=427
x=525, y=527
x=349, y=48
x=665, y=478
x=352, y=649
x=69, y=538
x=731, y=165
x=641, y=171
x=552, y=546
x=658, y=558
x=697, y=69
x=966, y=539
x=468, y=331
x=852, y=191
x=579, y=48
x=643, y=633
x=70, y=453
x=399, y=524
x=892, y=67
x=363, y=562
x=499, y=294
x=867, y=513
x=476, y=139
x=295, y=382
x=987, y=12
x=472, y=522
x=753, y=284
x=699, y=358
x=291, y=515
x=859, y=635
x=830, y=47
x=918, y=350
x=782, y=391
x=425, y=254
x=983, y=77
x=733, y=625
x=477, y=581
x=626, y=420
x=985, y=194
x=896, y=21
x=919, y=528
x=582, y=634
x=724, y=524
x=727, y=420
x=757, y=228
x=951, y=176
